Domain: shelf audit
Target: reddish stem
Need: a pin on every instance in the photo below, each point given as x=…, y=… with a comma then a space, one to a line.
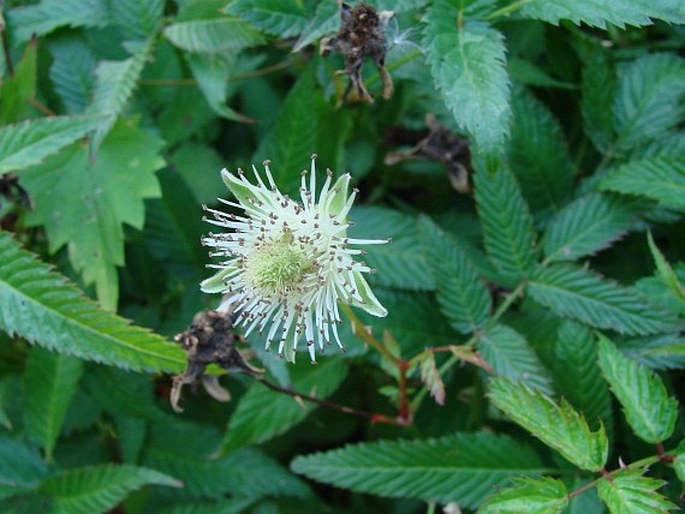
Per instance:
x=373, y=416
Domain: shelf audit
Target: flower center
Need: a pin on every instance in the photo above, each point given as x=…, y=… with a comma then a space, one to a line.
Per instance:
x=277, y=266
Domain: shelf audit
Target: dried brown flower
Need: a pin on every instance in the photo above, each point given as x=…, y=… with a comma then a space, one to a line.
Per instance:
x=361, y=34
x=209, y=340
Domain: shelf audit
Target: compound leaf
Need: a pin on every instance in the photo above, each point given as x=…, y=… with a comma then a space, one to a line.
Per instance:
x=73, y=72
x=649, y=98
x=588, y=225
x=543, y=495
x=558, y=426
x=28, y=143
x=507, y=224
x=659, y=178
x=49, y=15
x=538, y=153
x=114, y=85
x=629, y=492
x=598, y=14
x=96, y=489
x=582, y=295
x=283, y=18
x=462, y=293
x=43, y=308
x=21, y=468
x=50, y=381
x=468, y=66
x=578, y=376
x=212, y=36
x=462, y=468
x=510, y=355
x=84, y=204
x=650, y=412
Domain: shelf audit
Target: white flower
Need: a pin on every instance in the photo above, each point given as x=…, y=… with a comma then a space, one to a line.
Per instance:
x=288, y=264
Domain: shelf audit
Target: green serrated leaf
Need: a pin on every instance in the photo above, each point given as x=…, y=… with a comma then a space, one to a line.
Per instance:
x=660, y=352
x=293, y=138
x=679, y=461
x=73, y=72
x=84, y=204
x=467, y=61
x=325, y=21
x=184, y=450
x=462, y=468
x=616, y=12
x=28, y=143
x=252, y=424
x=628, y=492
x=137, y=20
x=43, y=308
x=658, y=293
x=587, y=225
x=558, y=426
x=510, y=355
x=404, y=262
x=50, y=381
x=210, y=36
x=212, y=73
x=538, y=154
x=96, y=489
x=49, y=15
x=650, y=412
x=665, y=270
x=507, y=224
x=580, y=294
x=21, y=468
x=115, y=83
x=543, y=495
x=462, y=293
x=170, y=233
x=577, y=374
x=659, y=178
x=283, y=18
x=18, y=90
x=649, y=97
x=598, y=88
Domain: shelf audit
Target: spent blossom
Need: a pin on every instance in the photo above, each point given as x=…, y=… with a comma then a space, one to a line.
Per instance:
x=287, y=263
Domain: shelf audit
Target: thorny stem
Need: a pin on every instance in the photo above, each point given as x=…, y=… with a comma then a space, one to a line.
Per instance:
x=365, y=335
x=374, y=417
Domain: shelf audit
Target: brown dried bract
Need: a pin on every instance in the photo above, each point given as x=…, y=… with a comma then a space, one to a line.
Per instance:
x=440, y=144
x=361, y=34
x=209, y=340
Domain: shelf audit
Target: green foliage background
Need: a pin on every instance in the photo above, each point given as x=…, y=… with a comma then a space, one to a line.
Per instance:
x=537, y=317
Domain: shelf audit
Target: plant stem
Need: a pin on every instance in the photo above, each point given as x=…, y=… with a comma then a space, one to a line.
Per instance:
x=507, y=9
x=374, y=417
x=501, y=309
x=358, y=328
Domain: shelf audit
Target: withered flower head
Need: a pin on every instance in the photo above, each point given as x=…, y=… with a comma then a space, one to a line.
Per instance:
x=361, y=34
